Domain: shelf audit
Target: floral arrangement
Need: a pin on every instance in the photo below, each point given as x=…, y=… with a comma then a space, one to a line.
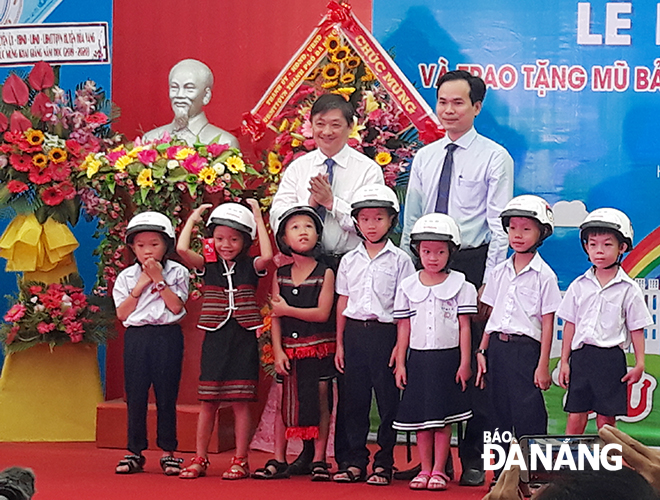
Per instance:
x=265, y=342
x=54, y=314
x=383, y=131
x=47, y=135
x=167, y=176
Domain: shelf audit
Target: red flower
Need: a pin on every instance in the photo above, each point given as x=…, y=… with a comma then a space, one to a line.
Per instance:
x=35, y=289
x=76, y=337
x=42, y=76
x=43, y=327
x=148, y=156
x=6, y=148
x=18, y=121
x=14, y=314
x=17, y=187
x=60, y=171
x=40, y=176
x=78, y=300
x=4, y=122
x=40, y=105
x=14, y=91
x=94, y=309
x=12, y=334
x=74, y=327
x=52, y=196
x=97, y=117
x=74, y=148
x=216, y=149
x=22, y=163
x=67, y=190
x=52, y=300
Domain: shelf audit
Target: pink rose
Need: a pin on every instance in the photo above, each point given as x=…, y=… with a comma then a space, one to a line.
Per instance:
x=217, y=149
x=148, y=156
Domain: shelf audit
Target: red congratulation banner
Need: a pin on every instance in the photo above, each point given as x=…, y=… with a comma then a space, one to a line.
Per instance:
x=340, y=18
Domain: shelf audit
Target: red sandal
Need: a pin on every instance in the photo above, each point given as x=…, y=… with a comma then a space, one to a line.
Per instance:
x=192, y=472
x=239, y=469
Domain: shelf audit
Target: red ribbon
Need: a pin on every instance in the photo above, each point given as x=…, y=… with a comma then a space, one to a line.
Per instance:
x=339, y=13
x=431, y=132
x=253, y=126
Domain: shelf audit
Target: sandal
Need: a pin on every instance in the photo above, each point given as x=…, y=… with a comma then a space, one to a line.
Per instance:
x=320, y=472
x=273, y=469
x=133, y=463
x=192, y=472
x=239, y=469
x=420, y=481
x=349, y=475
x=438, y=481
x=171, y=466
x=380, y=472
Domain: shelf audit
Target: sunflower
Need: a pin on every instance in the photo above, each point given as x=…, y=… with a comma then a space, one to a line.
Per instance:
x=352, y=62
x=332, y=43
x=329, y=84
x=340, y=54
x=57, y=155
x=208, y=175
x=312, y=76
x=145, y=180
x=34, y=137
x=330, y=71
x=368, y=75
x=235, y=164
x=347, y=78
x=40, y=160
x=383, y=158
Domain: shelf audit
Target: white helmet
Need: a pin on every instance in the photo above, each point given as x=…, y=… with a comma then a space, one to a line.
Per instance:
x=374, y=196
x=151, y=221
x=608, y=218
x=434, y=227
x=281, y=226
x=235, y=216
x=532, y=207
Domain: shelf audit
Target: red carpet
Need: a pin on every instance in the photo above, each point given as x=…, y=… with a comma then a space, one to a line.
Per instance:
x=80, y=471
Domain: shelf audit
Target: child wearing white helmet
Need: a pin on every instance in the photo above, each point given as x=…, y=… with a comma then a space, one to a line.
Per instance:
x=523, y=294
x=230, y=315
x=604, y=311
x=433, y=307
x=149, y=297
x=367, y=280
x=303, y=331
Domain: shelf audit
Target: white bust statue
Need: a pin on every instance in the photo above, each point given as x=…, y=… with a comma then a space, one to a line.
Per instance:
x=191, y=82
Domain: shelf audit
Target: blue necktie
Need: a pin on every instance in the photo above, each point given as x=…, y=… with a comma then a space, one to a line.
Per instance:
x=330, y=170
x=442, y=202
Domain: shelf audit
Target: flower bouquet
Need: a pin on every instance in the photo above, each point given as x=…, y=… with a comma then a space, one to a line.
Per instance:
x=54, y=314
x=167, y=176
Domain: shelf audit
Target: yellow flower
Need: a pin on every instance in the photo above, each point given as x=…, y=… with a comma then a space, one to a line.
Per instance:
x=207, y=174
x=347, y=78
x=352, y=62
x=295, y=124
x=144, y=179
x=34, y=137
x=92, y=165
x=368, y=75
x=295, y=143
x=123, y=162
x=274, y=163
x=340, y=54
x=329, y=84
x=284, y=125
x=134, y=152
x=383, y=158
x=371, y=103
x=235, y=164
x=39, y=160
x=184, y=153
x=332, y=43
x=313, y=74
x=330, y=71
x=57, y=155
x=355, y=132
x=344, y=91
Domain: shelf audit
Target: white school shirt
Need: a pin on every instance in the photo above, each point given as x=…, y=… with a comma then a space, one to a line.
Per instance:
x=371, y=284
x=151, y=308
x=481, y=186
x=352, y=170
x=433, y=310
x=604, y=316
x=519, y=301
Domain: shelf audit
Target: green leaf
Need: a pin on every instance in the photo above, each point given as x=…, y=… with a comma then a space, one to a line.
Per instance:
x=192, y=189
x=158, y=171
x=162, y=147
x=178, y=174
x=240, y=181
x=250, y=170
x=224, y=156
x=41, y=214
x=144, y=192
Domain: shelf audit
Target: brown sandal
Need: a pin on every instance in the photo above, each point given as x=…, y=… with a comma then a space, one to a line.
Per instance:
x=192, y=472
x=239, y=469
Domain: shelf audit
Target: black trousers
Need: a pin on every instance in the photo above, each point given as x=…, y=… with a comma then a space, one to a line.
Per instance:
x=368, y=347
x=472, y=263
x=153, y=355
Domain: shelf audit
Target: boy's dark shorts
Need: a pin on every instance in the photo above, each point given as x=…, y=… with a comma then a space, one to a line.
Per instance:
x=595, y=381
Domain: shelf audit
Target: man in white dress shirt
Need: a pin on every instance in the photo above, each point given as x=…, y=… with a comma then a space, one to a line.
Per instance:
x=326, y=179
x=476, y=186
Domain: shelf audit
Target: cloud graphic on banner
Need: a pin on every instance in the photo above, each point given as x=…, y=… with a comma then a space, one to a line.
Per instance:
x=569, y=213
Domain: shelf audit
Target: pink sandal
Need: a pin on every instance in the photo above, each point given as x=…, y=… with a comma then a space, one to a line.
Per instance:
x=420, y=481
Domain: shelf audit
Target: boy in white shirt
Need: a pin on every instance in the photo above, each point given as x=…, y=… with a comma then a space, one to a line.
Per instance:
x=604, y=311
x=367, y=280
x=524, y=295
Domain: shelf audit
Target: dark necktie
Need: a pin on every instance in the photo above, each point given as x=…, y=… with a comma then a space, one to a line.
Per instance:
x=330, y=170
x=445, y=179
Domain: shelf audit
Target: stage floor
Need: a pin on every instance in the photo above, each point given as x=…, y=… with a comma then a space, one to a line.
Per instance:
x=67, y=471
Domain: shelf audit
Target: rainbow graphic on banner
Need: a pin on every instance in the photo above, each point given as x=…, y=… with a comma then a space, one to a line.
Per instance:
x=645, y=257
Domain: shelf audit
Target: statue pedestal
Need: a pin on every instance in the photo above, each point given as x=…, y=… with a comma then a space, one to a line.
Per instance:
x=50, y=396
